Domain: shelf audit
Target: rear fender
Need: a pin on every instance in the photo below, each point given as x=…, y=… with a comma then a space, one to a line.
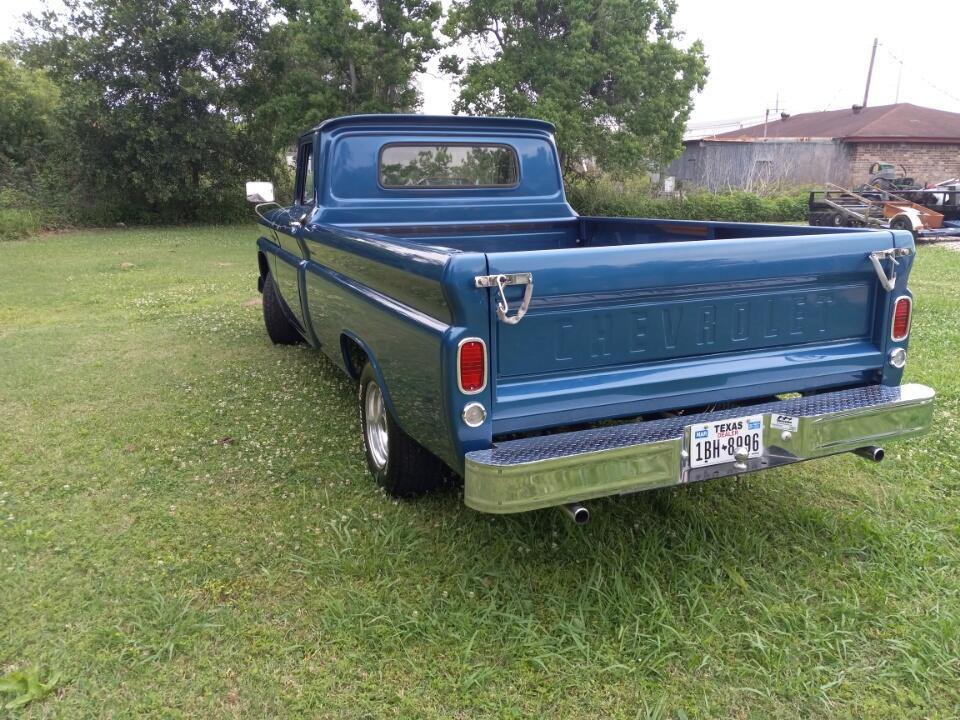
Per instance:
x=378, y=373
x=471, y=312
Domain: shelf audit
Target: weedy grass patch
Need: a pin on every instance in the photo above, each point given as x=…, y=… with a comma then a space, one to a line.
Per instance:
x=187, y=530
x=17, y=223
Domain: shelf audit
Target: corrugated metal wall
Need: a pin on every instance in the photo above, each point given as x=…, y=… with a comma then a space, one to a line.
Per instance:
x=762, y=165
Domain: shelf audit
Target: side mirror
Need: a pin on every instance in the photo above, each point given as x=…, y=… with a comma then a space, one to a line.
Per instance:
x=260, y=192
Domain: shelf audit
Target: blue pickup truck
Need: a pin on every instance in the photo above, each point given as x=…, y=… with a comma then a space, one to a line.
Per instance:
x=549, y=358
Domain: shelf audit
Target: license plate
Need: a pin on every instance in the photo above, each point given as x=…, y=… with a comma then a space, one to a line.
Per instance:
x=722, y=441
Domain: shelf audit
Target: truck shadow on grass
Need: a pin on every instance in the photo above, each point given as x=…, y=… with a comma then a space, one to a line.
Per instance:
x=786, y=507
x=744, y=521
x=732, y=534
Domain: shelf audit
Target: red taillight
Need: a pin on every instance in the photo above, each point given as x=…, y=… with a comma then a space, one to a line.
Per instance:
x=472, y=360
x=901, y=318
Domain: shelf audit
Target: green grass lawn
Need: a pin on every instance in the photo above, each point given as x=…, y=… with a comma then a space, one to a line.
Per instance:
x=187, y=529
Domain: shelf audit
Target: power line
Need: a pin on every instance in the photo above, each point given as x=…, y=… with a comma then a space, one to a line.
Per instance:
x=923, y=78
x=724, y=123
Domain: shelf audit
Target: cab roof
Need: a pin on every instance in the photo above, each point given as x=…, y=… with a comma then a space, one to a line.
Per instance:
x=401, y=121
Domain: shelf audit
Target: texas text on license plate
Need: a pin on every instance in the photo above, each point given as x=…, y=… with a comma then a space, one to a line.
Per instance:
x=721, y=441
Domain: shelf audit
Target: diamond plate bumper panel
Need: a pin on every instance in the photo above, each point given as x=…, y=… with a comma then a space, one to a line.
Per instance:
x=537, y=472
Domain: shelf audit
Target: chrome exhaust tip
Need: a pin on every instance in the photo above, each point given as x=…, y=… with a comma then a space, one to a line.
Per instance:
x=871, y=452
x=577, y=512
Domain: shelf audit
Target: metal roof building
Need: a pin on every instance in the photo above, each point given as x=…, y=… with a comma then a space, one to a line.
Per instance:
x=832, y=146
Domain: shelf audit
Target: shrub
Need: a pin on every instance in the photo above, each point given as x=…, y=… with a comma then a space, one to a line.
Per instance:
x=633, y=198
x=18, y=216
x=16, y=223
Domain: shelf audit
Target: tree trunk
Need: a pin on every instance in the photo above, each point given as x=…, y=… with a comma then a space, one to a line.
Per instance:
x=353, y=77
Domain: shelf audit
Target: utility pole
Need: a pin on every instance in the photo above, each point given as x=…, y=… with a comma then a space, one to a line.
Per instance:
x=873, y=55
x=899, y=75
x=766, y=117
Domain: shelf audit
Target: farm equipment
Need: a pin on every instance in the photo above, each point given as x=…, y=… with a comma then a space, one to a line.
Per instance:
x=889, y=177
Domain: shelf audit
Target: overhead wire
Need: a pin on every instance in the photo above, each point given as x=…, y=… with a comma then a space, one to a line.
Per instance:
x=921, y=77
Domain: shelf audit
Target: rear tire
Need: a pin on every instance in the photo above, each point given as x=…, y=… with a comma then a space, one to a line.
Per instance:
x=399, y=465
x=279, y=327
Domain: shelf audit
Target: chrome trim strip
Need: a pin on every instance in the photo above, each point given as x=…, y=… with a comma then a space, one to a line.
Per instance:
x=532, y=473
x=486, y=371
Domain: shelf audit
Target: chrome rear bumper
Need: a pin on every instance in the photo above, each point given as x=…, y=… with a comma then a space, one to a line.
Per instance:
x=548, y=470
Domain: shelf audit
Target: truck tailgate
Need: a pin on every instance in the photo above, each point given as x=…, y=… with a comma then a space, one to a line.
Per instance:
x=623, y=330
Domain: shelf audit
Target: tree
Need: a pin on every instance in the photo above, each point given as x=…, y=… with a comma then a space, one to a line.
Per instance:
x=28, y=106
x=402, y=32
x=151, y=96
x=608, y=73
x=328, y=59
x=170, y=104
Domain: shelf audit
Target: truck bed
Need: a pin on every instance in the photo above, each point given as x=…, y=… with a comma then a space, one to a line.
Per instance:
x=577, y=232
x=634, y=316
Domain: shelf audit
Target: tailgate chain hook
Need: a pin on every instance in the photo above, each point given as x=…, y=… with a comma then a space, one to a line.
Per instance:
x=892, y=254
x=503, y=305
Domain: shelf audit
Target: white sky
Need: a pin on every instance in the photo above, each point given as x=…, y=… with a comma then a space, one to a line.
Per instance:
x=814, y=54
x=10, y=13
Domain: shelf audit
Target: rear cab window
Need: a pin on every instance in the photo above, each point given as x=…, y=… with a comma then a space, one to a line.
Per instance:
x=426, y=166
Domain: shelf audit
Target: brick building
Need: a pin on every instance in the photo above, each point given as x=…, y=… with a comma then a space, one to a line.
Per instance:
x=836, y=146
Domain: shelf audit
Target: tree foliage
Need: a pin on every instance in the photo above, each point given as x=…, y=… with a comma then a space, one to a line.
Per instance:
x=157, y=110
x=330, y=59
x=168, y=105
x=151, y=92
x=29, y=103
x=28, y=106
x=608, y=73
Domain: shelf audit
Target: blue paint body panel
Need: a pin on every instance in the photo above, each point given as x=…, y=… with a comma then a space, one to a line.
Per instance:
x=628, y=317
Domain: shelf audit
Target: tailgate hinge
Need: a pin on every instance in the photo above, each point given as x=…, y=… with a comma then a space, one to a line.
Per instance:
x=500, y=282
x=892, y=254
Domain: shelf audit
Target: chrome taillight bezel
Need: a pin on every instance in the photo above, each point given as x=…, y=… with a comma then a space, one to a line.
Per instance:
x=486, y=366
x=893, y=318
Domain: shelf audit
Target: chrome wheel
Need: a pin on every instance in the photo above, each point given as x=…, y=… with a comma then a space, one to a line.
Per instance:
x=375, y=425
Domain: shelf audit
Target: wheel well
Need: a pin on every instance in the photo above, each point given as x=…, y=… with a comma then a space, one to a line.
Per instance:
x=354, y=356
x=264, y=270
